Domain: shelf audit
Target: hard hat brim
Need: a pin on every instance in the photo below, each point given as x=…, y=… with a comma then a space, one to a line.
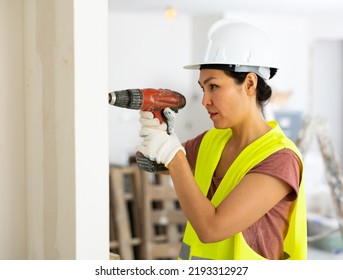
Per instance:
x=197, y=66
x=192, y=66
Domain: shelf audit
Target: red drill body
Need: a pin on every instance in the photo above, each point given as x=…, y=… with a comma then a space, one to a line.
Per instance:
x=148, y=99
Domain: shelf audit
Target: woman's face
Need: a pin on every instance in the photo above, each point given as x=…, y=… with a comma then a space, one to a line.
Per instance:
x=226, y=102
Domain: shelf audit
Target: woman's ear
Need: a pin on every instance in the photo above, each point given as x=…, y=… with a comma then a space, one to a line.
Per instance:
x=251, y=83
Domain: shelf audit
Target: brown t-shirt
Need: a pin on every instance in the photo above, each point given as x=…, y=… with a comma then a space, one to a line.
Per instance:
x=266, y=235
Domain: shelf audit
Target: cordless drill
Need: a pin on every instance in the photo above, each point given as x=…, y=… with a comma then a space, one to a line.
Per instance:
x=153, y=100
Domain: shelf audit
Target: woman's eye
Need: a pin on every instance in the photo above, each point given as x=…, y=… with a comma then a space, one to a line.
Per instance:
x=212, y=87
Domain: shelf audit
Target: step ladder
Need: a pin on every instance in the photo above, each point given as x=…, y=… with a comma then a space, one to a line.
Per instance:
x=317, y=128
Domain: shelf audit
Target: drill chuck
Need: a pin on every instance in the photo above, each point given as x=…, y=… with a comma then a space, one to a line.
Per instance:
x=130, y=98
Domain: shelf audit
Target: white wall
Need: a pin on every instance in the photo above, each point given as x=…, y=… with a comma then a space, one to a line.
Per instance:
x=50, y=160
x=198, y=120
x=90, y=129
x=12, y=136
x=145, y=50
x=327, y=91
x=54, y=136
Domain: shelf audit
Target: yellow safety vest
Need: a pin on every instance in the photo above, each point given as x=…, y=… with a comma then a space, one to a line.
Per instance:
x=235, y=247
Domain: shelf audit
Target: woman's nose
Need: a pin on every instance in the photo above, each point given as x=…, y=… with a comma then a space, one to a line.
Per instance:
x=206, y=100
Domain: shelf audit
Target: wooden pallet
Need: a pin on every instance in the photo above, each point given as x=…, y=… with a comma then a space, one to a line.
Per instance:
x=164, y=221
x=146, y=221
x=125, y=235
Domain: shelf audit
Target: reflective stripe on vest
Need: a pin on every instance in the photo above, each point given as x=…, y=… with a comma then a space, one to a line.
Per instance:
x=235, y=247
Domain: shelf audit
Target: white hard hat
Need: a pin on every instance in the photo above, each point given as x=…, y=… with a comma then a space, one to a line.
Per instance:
x=242, y=46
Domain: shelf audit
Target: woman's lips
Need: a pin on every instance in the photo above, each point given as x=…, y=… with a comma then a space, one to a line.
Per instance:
x=212, y=114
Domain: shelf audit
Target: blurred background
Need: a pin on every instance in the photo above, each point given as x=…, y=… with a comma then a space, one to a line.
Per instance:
x=150, y=42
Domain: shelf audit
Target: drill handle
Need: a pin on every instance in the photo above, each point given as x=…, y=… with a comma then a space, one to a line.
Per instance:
x=162, y=118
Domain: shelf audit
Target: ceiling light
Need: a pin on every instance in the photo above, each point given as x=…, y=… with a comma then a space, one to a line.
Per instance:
x=170, y=13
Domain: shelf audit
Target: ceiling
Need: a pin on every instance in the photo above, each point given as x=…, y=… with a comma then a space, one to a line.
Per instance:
x=220, y=6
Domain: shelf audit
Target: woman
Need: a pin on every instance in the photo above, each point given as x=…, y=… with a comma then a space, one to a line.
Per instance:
x=240, y=183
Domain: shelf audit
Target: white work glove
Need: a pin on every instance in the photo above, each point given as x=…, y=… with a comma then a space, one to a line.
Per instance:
x=157, y=144
x=147, y=120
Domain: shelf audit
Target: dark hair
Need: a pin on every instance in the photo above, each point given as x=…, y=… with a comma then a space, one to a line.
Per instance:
x=263, y=90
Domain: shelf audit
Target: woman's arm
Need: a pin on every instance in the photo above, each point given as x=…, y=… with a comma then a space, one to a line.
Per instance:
x=255, y=195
